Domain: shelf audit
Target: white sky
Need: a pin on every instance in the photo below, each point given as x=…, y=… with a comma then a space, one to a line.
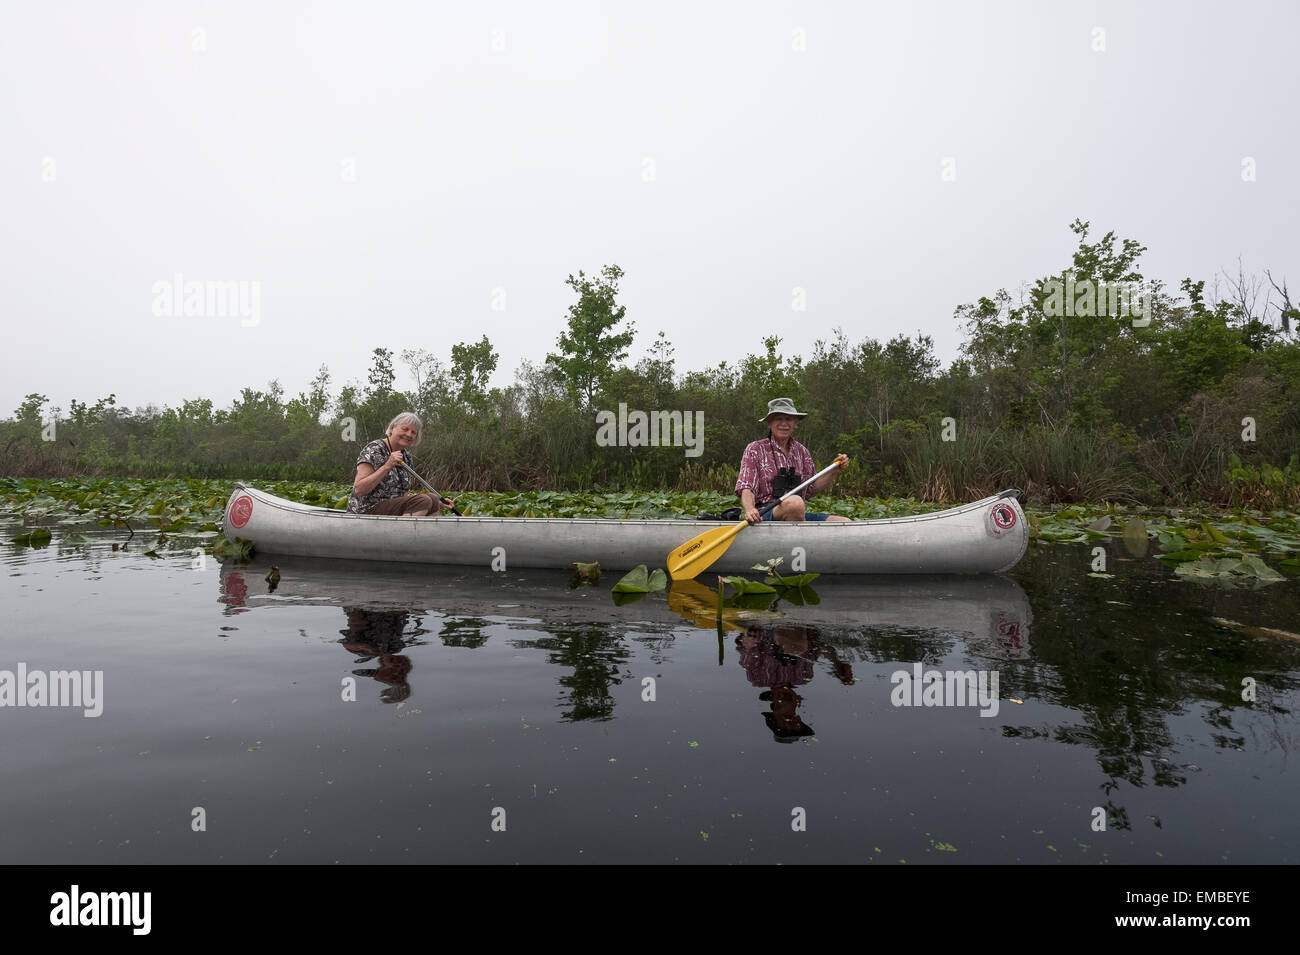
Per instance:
x=129, y=156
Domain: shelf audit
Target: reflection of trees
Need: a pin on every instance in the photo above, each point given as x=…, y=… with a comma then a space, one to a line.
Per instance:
x=1125, y=667
x=658, y=646
x=1117, y=817
x=596, y=657
x=463, y=632
x=891, y=644
x=384, y=631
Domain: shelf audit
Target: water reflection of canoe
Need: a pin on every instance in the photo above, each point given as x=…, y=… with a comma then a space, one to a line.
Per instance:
x=987, y=536
x=990, y=613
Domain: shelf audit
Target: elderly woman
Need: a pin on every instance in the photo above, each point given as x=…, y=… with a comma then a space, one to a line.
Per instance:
x=777, y=464
x=383, y=481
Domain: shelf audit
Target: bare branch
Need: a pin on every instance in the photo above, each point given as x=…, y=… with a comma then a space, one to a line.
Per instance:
x=1243, y=292
x=1286, y=308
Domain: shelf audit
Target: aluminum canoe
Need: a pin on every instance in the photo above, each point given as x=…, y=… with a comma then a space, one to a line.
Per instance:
x=985, y=537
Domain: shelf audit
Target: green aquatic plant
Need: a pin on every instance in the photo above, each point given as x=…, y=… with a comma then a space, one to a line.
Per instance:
x=240, y=549
x=1264, y=485
x=746, y=588
x=184, y=502
x=793, y=588
x=755, y=595
x=638, y=582
x=1231, y=570
x=1183, y=536
x=641, y=581
x=35, y=538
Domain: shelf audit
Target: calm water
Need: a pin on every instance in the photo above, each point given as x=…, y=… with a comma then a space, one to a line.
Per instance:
x=371, y=713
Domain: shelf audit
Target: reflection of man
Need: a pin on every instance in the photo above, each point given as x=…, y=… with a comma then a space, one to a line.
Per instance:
x=783, y=717
x=782, y=658
x=372, y=633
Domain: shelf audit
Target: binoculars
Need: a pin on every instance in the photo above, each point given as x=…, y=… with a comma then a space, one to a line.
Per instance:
x=786, y=479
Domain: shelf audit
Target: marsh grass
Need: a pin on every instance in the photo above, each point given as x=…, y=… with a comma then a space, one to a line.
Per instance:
x=1188, y=460
x=1051, y=467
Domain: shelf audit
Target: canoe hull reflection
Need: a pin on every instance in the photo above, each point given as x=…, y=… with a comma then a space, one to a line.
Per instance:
x=989, y=614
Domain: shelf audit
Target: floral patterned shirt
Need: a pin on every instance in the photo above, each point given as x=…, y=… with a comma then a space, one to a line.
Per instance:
x=396, y=483
x=759, y=463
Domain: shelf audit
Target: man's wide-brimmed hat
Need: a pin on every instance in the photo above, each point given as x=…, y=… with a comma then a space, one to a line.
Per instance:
x=782, y=406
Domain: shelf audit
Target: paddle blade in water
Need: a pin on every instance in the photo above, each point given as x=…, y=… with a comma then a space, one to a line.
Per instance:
x=698, y=554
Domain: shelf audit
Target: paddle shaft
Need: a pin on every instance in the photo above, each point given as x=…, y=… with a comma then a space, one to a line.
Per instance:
x=794, y=491
x=701, y=552
x=427, y=486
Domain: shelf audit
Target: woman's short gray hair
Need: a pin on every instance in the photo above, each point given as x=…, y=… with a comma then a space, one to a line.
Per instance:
x=407, y=418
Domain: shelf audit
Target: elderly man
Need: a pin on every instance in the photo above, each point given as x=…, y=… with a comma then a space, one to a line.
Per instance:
x=776, y=464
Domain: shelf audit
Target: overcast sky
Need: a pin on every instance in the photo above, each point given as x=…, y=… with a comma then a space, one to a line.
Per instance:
x=384, y=173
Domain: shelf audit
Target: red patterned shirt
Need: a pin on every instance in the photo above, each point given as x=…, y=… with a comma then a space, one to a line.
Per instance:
x=759, y=463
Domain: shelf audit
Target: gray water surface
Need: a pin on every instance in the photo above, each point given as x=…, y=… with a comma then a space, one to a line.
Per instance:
x=391, y=713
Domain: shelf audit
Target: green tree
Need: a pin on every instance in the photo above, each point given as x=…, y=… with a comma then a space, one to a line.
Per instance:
x=317, y=400
x=589, y=350
x=659, y=369
x=177, y=432
x=381, y=402
x=382, y=375
x=1200, y=347
x=30, y=409
x=770, y=375
x=431, y=393
x=471, y=367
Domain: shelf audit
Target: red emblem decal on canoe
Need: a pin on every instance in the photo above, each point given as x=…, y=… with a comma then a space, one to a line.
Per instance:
x=241, y=511
x=1003, y=517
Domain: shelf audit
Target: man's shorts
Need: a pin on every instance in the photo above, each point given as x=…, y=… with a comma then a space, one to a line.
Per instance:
x=806, y=517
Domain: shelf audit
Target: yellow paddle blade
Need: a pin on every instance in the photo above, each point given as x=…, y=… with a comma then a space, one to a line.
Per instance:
x=698, y=606
x=699, y=553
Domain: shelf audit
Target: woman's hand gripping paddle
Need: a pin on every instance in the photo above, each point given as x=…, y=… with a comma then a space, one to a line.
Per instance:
x=427, y=486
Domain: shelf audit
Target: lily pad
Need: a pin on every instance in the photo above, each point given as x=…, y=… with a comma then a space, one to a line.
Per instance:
x=36, y=538
x=745, y=587
x=799, y=596
x=796, y=580
x=641, y=581
x=1135, y=537
x=1179, y=556
x=1229, y=569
